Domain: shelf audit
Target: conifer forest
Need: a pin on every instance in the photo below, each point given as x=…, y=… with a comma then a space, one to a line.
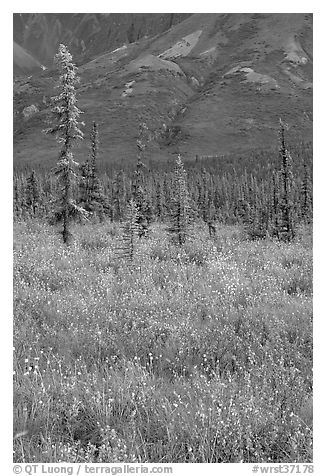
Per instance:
x=162, y=308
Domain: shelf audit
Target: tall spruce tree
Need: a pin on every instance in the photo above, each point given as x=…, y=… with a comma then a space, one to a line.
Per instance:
x=286, y=224
x=181, y=212
x=65, y=114
x=306, y=194
x=93, y=199
x=138, y=192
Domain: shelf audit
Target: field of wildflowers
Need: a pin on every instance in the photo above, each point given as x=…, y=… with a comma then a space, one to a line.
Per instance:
x=194, y=354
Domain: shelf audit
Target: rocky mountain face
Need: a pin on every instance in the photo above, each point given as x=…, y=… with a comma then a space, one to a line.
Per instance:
x=205, y=84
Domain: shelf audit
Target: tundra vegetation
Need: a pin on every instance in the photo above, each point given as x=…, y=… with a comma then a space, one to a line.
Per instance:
x=173, y=321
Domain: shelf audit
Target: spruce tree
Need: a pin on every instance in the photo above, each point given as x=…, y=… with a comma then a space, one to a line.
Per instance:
x=130, y=232
x=33, y=195
x=205, y=195
x=119, y=194
x=25, y=209
x=92, y=195
x=256, y=212
x=286, y=225
x=181, y=213
x=242, y=207
x=65, y=114
x=159, y=199
x=275, y=200
x=138, y=192
x=206, y=205
x=17, y=198
x=211, y=217
x=306, y=194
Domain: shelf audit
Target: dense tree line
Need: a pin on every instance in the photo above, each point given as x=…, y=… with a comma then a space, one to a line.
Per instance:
x=225, y=197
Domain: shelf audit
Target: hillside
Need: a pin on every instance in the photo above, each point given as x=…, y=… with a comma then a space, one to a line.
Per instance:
x=24, y=63
x=209, y=85
x=86, y=34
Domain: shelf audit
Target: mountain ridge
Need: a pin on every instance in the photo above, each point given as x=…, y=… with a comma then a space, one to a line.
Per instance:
x=85, y=34
x=208, y=85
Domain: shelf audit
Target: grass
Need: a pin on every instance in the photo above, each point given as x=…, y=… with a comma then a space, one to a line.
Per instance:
x=200, y=354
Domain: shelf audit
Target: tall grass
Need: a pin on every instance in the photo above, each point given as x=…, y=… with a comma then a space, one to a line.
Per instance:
x=194, y=354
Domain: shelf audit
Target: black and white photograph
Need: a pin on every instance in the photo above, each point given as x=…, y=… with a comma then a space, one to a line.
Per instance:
x=162, y=241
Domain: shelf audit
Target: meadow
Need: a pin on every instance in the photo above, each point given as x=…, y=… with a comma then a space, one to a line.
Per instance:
x=200, y=353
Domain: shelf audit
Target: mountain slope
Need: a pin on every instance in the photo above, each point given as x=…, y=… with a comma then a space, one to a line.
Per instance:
x=86, y=34
x=211, y=84
x=24, y=63
x=260, y=68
